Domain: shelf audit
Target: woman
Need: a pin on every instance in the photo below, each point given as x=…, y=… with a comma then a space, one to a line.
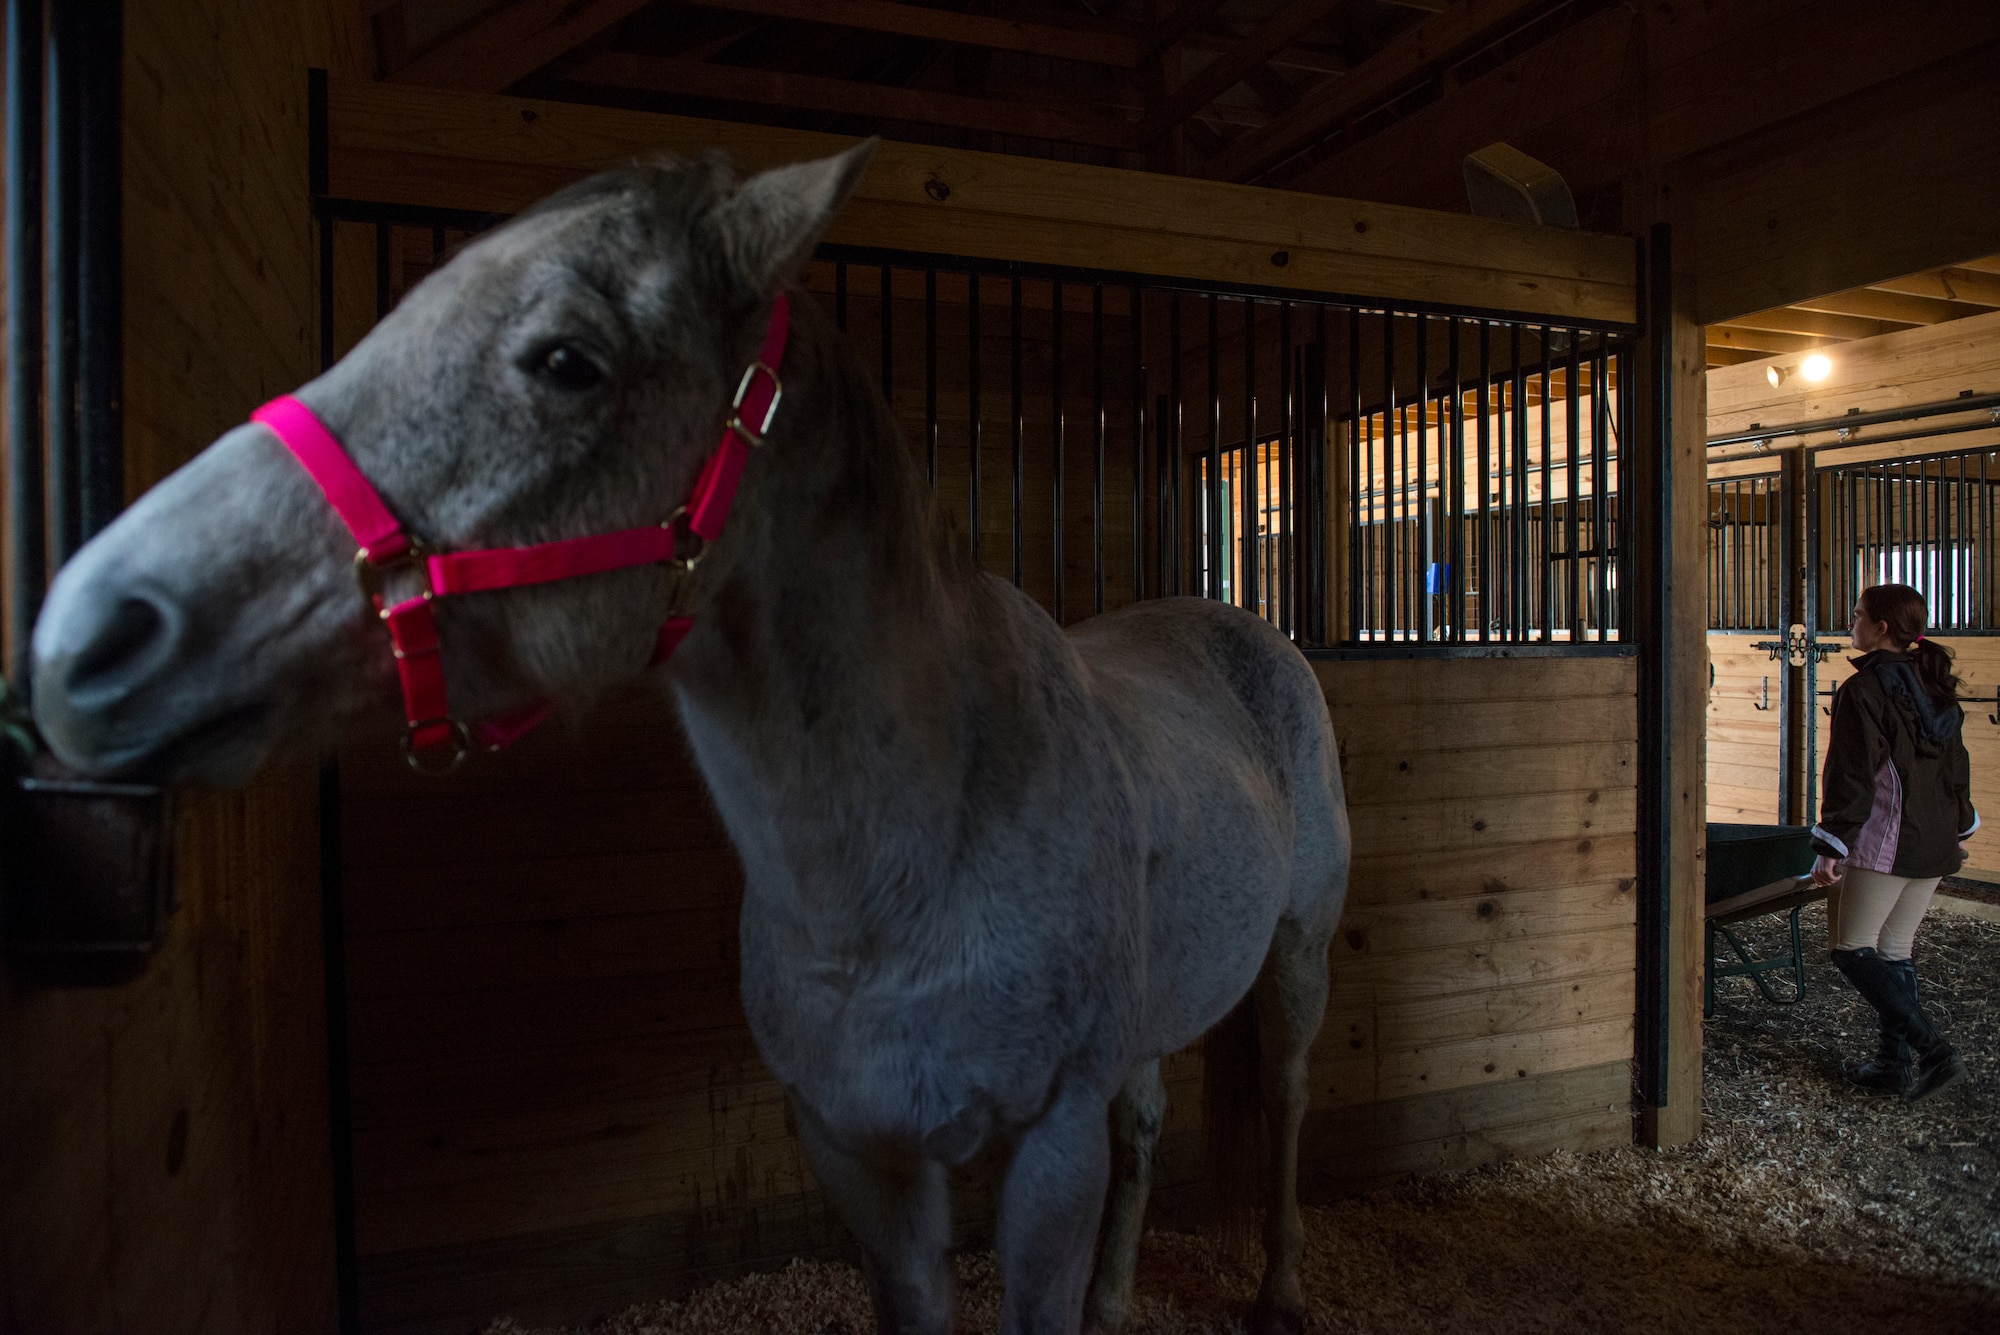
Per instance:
x=1895, y=811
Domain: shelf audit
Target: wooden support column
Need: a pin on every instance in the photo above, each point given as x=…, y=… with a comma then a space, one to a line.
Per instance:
x=1672, y=615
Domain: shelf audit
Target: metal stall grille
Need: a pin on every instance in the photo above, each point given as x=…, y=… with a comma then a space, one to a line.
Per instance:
x=1745, y=559
x=1365, y=476
x=1926, y=521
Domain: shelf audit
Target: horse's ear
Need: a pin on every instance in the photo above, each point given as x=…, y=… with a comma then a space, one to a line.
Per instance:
x=773, y=221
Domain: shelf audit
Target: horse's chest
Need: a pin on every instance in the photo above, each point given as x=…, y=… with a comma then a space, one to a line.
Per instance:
x=927, y=1053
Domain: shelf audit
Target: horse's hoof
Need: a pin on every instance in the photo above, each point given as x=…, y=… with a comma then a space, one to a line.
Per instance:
x=1277, y=1321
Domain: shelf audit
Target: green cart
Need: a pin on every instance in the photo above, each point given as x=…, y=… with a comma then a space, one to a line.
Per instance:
x=1753, y=872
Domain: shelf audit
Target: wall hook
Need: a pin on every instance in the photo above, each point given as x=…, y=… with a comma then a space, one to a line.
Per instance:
x=1765, y=702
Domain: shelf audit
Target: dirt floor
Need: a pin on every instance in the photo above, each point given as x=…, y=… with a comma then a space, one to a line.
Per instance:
x=1804, y=1206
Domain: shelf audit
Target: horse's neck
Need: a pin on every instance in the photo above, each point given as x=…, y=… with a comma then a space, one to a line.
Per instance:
x=825, y=683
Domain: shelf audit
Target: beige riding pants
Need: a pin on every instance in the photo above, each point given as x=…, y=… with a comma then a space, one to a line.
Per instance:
x=1877, y=910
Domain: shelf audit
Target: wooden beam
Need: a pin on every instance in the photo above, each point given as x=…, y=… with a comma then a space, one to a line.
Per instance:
x=394, y=144
x=1873, y=184
x=736, y=83
x=1931, y=364
x=1793, y=320
x=1731, y=356
x=1431, y=40
x=1968, y=286
x=1874, y=304
x=1174, y=26
x=1090, y=46
x=1762, y=340
x=1989, y=264
x=513, y=42
x=1228, y=69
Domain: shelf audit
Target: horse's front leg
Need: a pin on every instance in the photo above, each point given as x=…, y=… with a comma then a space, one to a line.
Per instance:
x=900, y=1212
x=1136, y=1116
x=1050, y=1204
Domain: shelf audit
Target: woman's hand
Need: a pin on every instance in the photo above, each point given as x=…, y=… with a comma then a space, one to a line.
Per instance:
x=1825, y=870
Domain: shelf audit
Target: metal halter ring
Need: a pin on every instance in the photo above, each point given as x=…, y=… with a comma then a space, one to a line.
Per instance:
x=461, y=743
x=685, y=564
x=736, y=422
x=368, y=573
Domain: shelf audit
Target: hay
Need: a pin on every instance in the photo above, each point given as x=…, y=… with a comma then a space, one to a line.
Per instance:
x=1803, y=1206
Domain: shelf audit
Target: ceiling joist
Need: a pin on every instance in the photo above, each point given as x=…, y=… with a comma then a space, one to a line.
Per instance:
x=513, y=42
x=803, y=92
x=1228, y=69
x=1088, y=46
x=1452, y=29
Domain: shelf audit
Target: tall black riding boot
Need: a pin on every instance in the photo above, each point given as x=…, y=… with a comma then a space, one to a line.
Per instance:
x=1890, y=986
x=1936, y=1064
x=1888, y=1071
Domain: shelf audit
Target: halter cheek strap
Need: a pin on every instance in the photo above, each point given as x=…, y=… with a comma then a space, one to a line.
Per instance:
x=434, y=738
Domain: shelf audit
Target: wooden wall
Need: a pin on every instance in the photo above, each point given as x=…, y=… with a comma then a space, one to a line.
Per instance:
x=164, y=1161
x=1745, y=708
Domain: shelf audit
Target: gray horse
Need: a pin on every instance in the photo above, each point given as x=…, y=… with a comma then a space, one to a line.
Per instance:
x=994, y=870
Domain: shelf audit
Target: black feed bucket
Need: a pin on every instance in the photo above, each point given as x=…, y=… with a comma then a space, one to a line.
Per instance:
x=89, y=879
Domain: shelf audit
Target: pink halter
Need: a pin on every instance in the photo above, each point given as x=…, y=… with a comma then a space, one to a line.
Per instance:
x=412, y=623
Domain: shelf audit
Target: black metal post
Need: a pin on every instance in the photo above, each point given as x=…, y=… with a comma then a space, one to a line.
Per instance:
x=65, y=61
x=27, y=526
x=1656, y=607
x=99, y=254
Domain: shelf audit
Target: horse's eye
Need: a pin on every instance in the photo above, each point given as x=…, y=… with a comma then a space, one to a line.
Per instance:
x=570, y=368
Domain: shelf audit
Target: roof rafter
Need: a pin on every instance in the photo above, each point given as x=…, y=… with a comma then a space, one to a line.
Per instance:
x=1226, y=70
x=1430, y=40
x=804, y=92
x=1089, y=46
x=513, y=42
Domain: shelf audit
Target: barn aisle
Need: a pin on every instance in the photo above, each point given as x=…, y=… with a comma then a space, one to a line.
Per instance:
x=1820, y=1209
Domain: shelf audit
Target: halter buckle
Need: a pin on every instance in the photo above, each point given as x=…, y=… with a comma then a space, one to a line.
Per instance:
x=684, y=564
x=369, y=573
x=461, y=746
x=736, y=422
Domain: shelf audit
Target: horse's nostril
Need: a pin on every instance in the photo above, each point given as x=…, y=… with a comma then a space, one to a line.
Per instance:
x=134, y=627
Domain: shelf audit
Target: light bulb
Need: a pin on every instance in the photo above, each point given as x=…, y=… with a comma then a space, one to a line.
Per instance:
x=1816, y=368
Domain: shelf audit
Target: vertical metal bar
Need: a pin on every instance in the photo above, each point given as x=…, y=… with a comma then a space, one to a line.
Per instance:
x=1097, y=447
x=1548, y=571
x=1600, y=418
x=1163, y=501
x=1318, y=516
x=1422, y=584
x=930, y=378
x=1249, y=595
x=1213, y=497
x=100, y=250
x=1177, y=440
x=1657, y=853
x=1572, y=439
x=64, y=55
x=840, y=295
x=886, y=317
x=27, y=520
x=1455, y=609
x=385, y=293
x=1357, y=531
x=1014, y=333
x=1056, y=427
x=1518, y=575
x=1488, y=585
x=1135, y=325
x=972, y=414
x=1393, y=621
x=1284, y=541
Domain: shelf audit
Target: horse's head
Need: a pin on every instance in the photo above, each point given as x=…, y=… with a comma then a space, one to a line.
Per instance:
x=566, y=374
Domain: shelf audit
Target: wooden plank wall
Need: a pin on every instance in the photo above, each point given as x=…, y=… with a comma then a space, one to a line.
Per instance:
x=1745, y=707
x=164, y=1162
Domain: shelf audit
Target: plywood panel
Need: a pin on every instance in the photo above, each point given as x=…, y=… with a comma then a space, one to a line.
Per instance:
x=1744, y=780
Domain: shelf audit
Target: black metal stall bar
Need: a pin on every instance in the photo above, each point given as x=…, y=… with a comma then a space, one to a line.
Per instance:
x=65, y=310
x=1927, y=520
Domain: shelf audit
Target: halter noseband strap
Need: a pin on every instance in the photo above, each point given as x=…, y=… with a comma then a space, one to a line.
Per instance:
x=434, y=738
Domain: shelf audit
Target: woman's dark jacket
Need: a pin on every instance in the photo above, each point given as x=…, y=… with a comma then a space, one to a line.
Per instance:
x=1897, y=788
